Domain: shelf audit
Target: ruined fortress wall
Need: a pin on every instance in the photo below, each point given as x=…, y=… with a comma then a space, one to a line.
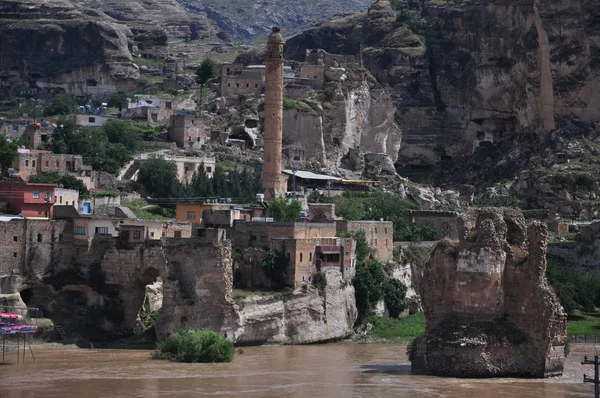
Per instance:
x=197, y=291
x=489, y=310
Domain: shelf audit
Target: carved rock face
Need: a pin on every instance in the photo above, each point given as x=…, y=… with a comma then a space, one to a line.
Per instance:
x=489, y=310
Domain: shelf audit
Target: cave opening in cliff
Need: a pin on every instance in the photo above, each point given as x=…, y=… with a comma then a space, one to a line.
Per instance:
x=238, y=135
x=37, y=297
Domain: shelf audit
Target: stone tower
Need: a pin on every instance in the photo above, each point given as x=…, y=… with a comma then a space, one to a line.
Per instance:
x=274, y=183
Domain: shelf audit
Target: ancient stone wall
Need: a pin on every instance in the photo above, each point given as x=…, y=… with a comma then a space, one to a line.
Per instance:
x=379, y=234
x=489, y=310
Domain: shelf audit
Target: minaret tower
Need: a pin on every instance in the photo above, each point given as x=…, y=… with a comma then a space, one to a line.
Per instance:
x=274, y=183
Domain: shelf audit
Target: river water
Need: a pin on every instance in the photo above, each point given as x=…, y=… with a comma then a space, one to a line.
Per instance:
x=332, y=370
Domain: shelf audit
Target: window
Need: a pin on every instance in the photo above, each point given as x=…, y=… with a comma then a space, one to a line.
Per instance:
x=191, y=215
x=168, y=105
x=60, y=199
x=137, y=235
x=35, y=195
x=79, y=230
x=33, y=163
x=102, y=230
x=57, y=164
x=48, y=196
x=301, y=257
x=15, y=254
x=310, y=257
x=152, y=234
x=91, y=120
x=375, y=230
x=39, y=237
x=15, y=239
x=375, y=241
x=47, y=163
x=178, y=234
x=209, y=169
x=386, y=242
x=27, y=163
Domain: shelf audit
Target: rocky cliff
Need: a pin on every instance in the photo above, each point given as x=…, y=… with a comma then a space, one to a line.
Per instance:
x=352, y=130
x=199, y=294
x=96, y=288
x=464, y=74
x=52, y=47
x=488, y=307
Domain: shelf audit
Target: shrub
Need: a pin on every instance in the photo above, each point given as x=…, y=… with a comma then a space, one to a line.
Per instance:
x=394, y=295
x=194, y=345
x=577, y=289
x=275, y=267
x=368, y=287
x=320, y=281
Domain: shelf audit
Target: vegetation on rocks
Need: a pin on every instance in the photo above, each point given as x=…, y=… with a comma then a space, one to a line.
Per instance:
x=194, y=346
x=8, y=154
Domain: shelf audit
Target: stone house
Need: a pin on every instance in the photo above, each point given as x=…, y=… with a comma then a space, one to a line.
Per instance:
x=186, y=165
x=445, y=223
x=147, y=109
x=87, y=228
x=33, y=162
x=186, y=130
x=237, y=80
x=211, y=215
x=39, y=134
x=379, y=234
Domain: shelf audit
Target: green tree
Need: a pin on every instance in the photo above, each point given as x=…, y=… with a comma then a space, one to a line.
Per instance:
x=363, y=251
x=159, y=176
x=204, y=73
x=368, y=287
x=8, y=154
x=62, y=104
x=394, y=296
x=285, y=210
x=67, y=181
x=275, y=266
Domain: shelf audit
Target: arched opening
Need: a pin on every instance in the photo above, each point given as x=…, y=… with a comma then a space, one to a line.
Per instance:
x=239, y=133
x=251, y=123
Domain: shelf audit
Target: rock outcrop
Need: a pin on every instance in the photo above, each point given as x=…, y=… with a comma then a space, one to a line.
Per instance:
x=489, y=309
x=199, y=295
x=457, y=78
x=53, y=48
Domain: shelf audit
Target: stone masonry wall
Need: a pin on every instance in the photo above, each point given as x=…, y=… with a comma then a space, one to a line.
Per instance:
x=488, y=307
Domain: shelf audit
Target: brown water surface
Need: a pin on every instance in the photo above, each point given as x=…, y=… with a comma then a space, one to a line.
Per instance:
x=333, y=370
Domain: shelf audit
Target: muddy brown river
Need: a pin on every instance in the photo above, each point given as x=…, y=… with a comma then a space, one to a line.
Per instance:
x=332, y=370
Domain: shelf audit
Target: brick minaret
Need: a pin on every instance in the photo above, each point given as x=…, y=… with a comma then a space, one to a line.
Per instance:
x=274, y=183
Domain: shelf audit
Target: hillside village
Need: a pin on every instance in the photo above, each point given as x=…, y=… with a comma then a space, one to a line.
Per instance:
x=275, y=200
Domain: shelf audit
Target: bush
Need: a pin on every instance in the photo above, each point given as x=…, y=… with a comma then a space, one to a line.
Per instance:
x=394, y=295
x=577, y=289
x=319, y=280
x=194, y=346
x=275, y=266
x=368, y=287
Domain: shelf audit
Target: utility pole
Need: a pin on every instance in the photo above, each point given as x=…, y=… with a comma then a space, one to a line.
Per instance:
x=596, y=379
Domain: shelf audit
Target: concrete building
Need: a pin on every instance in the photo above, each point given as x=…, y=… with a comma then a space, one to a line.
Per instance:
x=147, y=109
x=274, y=182
x=29, y=199
x=66, y=197
x=87, y=228
x=186, y=130
x=92, y=120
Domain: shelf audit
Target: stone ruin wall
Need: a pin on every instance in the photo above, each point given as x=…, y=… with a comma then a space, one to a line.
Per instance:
x=494, y=275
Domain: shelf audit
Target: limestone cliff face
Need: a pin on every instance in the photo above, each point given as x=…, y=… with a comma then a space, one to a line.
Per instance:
x=199, y=295
x=476, y=71
x=357, y=121
x=55, y=48
x=307, y=316
x=489, y=309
